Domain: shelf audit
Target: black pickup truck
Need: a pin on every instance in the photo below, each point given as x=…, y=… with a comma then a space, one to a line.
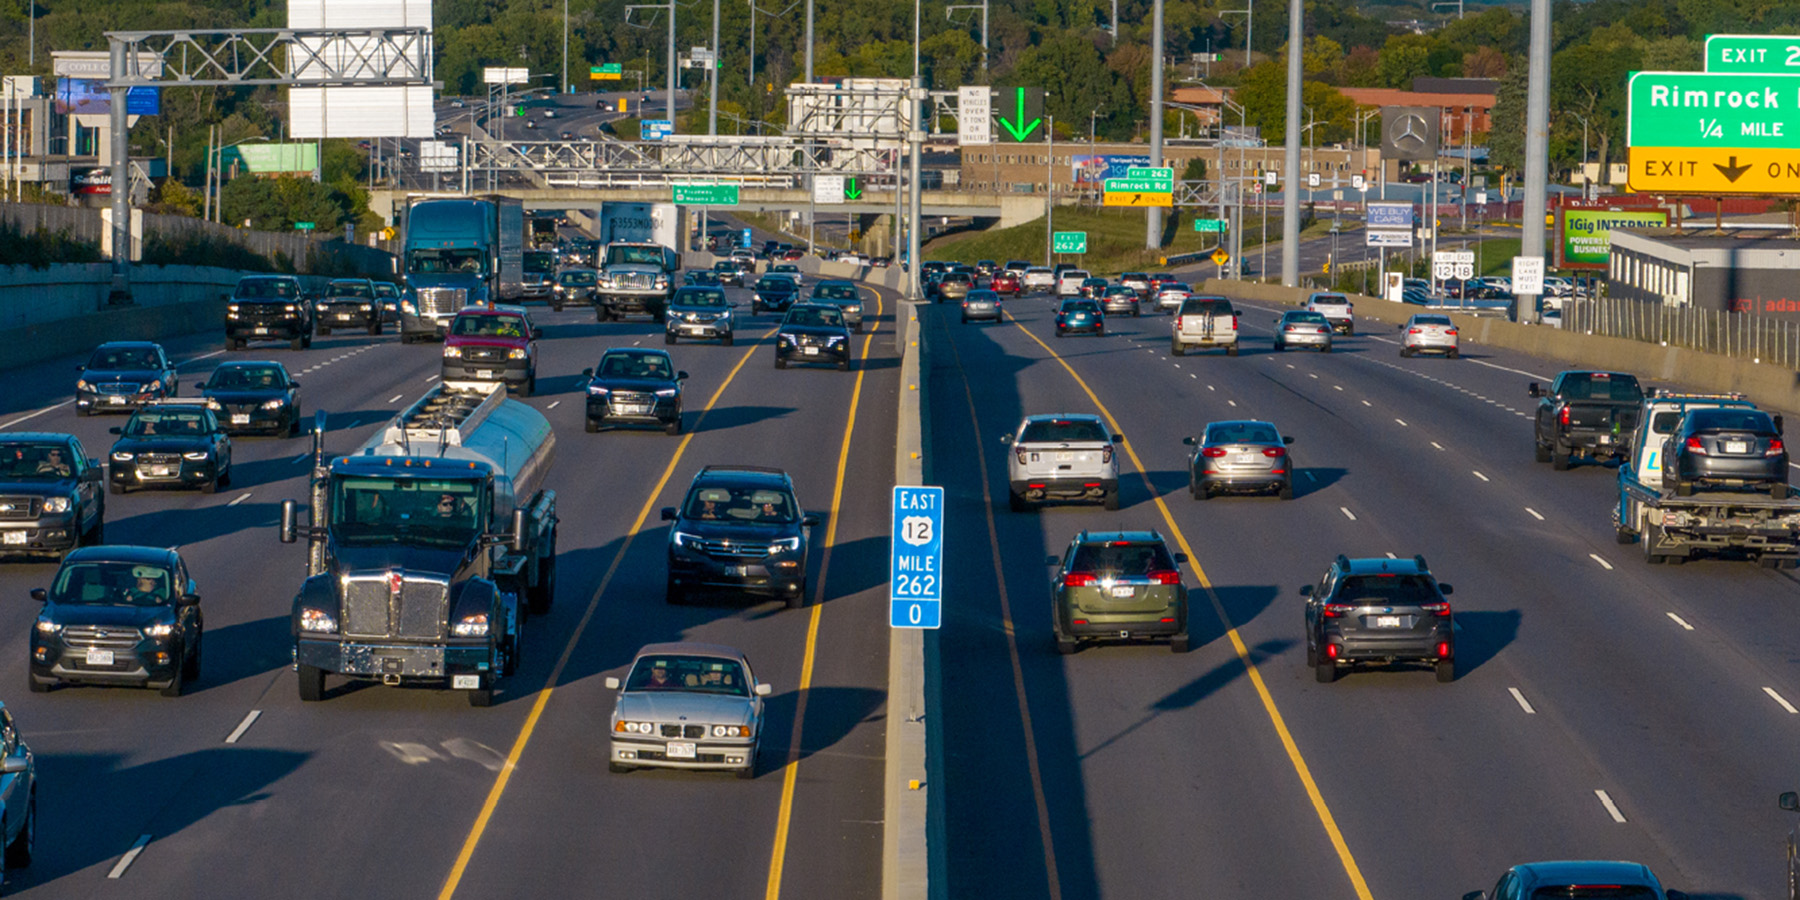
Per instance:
x=1586, y=415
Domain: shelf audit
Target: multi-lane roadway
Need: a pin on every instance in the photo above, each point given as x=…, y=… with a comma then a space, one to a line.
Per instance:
x=239, y=789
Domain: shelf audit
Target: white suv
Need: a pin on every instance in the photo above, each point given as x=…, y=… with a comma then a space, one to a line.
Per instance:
x=1062, y=457
x=1068, y=284
x=1336, y=308
x=1039, y=278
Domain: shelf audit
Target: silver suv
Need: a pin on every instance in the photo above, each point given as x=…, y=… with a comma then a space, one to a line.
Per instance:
x=1062, y=457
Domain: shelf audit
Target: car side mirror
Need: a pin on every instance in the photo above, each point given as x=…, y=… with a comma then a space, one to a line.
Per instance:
x=809, y=520
x=1780, y=424
x=201, y=386
x=1052, y=560
x=668, y=514
x=589, y=372
x=516, y=537
x=1445, y=589
x=40, y=596
x=1118, y=439
x=1006, y=439
x=681, y=376
x=1181, y=559
x=612, y=683
x=92, y=473
x=1533, y=390
x=763, y=690
x=115, y=430
x=294, y=384
x=1307, y=591
x=1191, y=441
x=189, y=600
x=289, y=514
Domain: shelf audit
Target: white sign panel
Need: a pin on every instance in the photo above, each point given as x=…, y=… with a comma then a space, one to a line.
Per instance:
x=1312, y=179
x=437, y=156
x=828, y=189
x=359, y=112
x=97, y=64
x=1455, y=256
x=1481, y=198
x=1395, y=289
x=1465, y=271
x=1359, y=182
x=1377, y=237
x=974, y=116
x=1528, y=275
x=1442, y=269
x=502, y=75
x=1269, y=178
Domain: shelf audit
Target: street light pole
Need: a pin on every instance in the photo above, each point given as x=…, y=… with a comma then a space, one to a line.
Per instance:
x=809, y=40
x=671, y=89
x=565, y=68
x=712, y=99
x=1290, y=207
x=1153, y=220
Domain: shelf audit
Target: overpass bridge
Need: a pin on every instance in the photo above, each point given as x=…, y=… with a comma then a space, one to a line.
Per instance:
x=1010, y=209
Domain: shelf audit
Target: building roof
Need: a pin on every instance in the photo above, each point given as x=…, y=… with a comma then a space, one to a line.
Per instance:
x=1204, y=96
x=1393, y=97
x=1426, y=85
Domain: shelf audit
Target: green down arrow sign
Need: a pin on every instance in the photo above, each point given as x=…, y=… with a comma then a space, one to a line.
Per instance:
x=851, y=191
x=1028, y=106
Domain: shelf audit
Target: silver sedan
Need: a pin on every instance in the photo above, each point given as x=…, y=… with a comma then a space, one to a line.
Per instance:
x=1240, y=457
x=687, y=705
x=1303, y=328
x=983, y=304
x=1429, y=334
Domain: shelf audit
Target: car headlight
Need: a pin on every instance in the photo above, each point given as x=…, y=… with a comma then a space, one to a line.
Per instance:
x=233, y=307
x=197, y=456
x=122, y=457
x=290, y=308
x=737, y=731
x=153, y=386
x=634, y=727
x=274, y=404
x=662, y=281
x=834, y=340
x=666, y=392
x=516, y=353
x=471, y=626
x=597, y=391
x=213, y=404
x=160, y=629
x=56, y=504
x=785, y=545
x=45, y=626
x=366, y=307
x=81, y=384
x=451, y=351
x=853, y=308
x=317, y=621
x=407, y=307
x=682, y=538
x=788, y=338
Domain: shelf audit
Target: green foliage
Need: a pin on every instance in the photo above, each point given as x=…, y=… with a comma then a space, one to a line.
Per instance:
x=275, y=204
x=175, y=199
x=40, y=248
x=197, y=249
x=1264, y=97
x=1506, y=142
x=1403, y=58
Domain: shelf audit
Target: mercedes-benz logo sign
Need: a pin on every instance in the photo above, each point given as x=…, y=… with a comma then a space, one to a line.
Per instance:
x=1409, y=133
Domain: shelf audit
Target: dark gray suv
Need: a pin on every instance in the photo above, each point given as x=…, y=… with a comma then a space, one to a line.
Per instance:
x=1378, y=611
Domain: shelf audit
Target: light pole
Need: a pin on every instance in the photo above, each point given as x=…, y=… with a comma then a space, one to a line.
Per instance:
x=1153, y=220
x=809, y=40
x=1248, y=13
x=565, y=70
x=712, y=98
x=670, y=6
x=215, y=168
x=753, y=11
x=1290, y=208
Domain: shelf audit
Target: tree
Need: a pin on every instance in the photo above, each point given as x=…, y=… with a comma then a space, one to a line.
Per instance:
x=1403, y=58
x=1075, y=80
x=275, y=204
x=174, y=198
x=1485, y=62
x=1506, y=142
x=1264, y=98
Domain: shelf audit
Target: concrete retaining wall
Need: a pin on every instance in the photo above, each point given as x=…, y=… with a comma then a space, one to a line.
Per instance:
x=32, y=296
x=1768, y=385
x=67, y=337
x=908, y=792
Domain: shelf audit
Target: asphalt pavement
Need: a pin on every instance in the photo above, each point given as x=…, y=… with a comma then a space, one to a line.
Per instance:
x=1604, y=708
x=243, y=790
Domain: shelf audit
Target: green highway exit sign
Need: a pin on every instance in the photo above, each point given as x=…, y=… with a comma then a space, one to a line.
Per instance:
x=1758, y=54
x=1068, y=242
x=706, y=194
x=1713, y=110
x=1209, y=224
x=304, y=226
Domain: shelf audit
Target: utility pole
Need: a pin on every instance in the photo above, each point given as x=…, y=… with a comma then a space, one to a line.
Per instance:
x=712, y=99
x=1290, y=207
x=809, y=40
x=1153, y=220
x=671, y=94
x=1050, y=187
x=1537, y=150
x=565, y=72
x=915, y=139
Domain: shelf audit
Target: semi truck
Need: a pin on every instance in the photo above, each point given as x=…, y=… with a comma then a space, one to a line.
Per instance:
x=638, y=260
x=459, y=251
x=1673, y=529
x=428, y=547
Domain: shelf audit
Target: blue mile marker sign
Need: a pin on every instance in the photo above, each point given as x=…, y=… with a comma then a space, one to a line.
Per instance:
x=916, y=570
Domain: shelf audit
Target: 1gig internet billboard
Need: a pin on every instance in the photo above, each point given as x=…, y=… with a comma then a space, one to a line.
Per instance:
x=1587, y=234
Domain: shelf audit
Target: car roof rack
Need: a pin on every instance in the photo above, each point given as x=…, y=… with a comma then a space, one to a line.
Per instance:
x=1343, y=562
x=1420, y=559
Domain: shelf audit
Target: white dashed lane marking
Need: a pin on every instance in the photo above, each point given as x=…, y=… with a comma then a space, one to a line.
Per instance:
x=1347, y=513
x=118, y=869
x=238, y=732
x=1681, y=621
x=1481, y=476
x=1603, y=563
x=1523, y=703
x=1535, y=514
x=1612, y=809
x=1781, y=700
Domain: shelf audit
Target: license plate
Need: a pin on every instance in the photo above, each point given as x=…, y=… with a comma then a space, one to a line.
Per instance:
x=99, y=657
x=737, y=571
x=680, y=750
x=812, y=351
x=161, y=471
x=633, y=409
x=346, y=316
x=1387, y=621
x=15, y=537
x=262, y=331
x=484, y=373
x=465, y=682
x=1123, y=591
x=1243, y=459
x=116, y=400
x=1606, y=439
x=240, y=418
x=1064, y=457
x=1737, y=447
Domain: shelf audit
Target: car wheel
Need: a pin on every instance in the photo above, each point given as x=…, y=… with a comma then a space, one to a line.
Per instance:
x=1325, y=349
x=312, y=683
x=1111, y=499
x=669, y=337
x=1100, y=332
x=748, y=772
x=797, y=597
x=545, y=595
x=36, y=686
x=1202, y=491
x=1405, y=352
x=1325, y=671
x=18, y=852
x=1178, y=644
x=619, y=768
x=556, y=307
x=1176, y=349
x=965, y=320
x=1653, y=554
x=176, y=683
x=1017, y=503
x=1559, y=460
x=779, y=362
x=729, y=340
x=1065, y=646
x=113, y=487
x=296, y=343
x=325, y=331
x=1231, y=350
x=293, y=429
x=599, y=314
x=1349, y=330
x=673, y=594
x=191, y=668
x=1455, y=354
x=1287, y=490
x=97, y=534
x=1446, y=671
x=1280, y=347
x=593, y=426
x=482, y=697
x=673, y=426
x=843, y=365
x=211, y=486
x=1540, y=451
x=529, y=387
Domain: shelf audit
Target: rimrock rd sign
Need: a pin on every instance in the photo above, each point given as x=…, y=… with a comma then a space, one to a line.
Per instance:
x=1713, y=132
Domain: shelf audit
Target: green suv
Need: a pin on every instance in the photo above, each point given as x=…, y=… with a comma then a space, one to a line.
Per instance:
x=1119, y=586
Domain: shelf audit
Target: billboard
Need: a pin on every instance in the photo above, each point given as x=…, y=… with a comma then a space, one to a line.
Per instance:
x=90, y=182
x=89, y=97
x=1387, y=214
x=1587, y=234
x=1094, y=170
x=272, y=159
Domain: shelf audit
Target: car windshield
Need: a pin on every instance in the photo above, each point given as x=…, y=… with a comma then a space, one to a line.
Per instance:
x=956, y=278
x=714, y=503
x=823, y=317
x=31, y=461
x=1119, y=290
x=767, y=284
x=835, y=292
x=1386, y=590
x=1175, y=287
x=1132, y=276
x=266, y=289
x=1731, y=420
x=1075, y=274
x=1601, y=386
x=785, y=267
x=1309, y=317
x=630, y=254
x=368, y=512
x=124, y=358
x=1062, y=431
x=635, y=365
x=691, y=674
x=166, y=422
x=538, y=263
x=1241, y=433
x=700, y=297
x=360, y=289
x=724, y=265
x=488, y=326
x=386, y=291
x=576, y=279
x=112, y=584
x=441, y=262
x=1125, y=558
x=983, y=297
x=246, y=378
x=1037, y=270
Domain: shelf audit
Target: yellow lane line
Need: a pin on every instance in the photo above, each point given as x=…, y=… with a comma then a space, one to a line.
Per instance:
x=1237, y=642
x=791, y=771
x=543, y=698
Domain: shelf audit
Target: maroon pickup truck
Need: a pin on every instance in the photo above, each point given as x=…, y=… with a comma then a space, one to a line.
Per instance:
x=492, y=344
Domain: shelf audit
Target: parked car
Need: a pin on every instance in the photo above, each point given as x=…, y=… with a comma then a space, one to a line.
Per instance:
x=1118, y=586
x=687, y=705
x=51, y=501
x=118, y=615
x=171, y=443
x=251, y=397
x=633, y=386
x=1382, y=611
x=1726, y=448
x=121, y=376
x=1424, y=333
x=1239, y=457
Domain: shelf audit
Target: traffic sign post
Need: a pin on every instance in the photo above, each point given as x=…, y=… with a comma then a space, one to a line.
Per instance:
x=916, y=564
x=1068, y=242
x=706, y=194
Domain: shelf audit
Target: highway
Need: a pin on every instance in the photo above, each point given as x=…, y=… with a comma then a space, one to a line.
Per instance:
x=238, y=789
x=1604, y=708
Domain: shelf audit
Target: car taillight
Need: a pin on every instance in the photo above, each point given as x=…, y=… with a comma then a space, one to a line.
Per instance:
x=1776, y=448
x=1021, y=455
x=1450, y=331
x=1180, y=323
x=1077, y=579
x=1563, y=417
x=1694, y=446
x=1234, y=322
x=1412, y=331
x=1437, y=609
x=1337, y=610
x=1106, y=453
x=1274, y=452
x=1331, y=651
x=1166, y=576
x=1443, y=649
x=1212, y=452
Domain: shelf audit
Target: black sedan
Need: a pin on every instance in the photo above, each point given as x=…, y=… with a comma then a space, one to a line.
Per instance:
x=118, y=615
x=1243, y=456
x=576, y=286
x=254, y=397
x=124, y=375
x=813, y=333
x=634, y=387
x=728, y=272
x=1730, y=448
x=170, y=444
x=774, y=293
